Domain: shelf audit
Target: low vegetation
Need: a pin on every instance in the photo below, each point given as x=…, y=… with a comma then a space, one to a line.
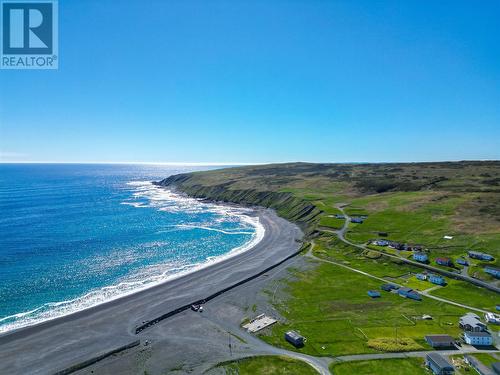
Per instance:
x=394, y=344
x=267, y=365
x=407, y=366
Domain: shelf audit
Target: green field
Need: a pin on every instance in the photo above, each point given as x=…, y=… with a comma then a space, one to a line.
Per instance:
x=462, y=292
x=330, y=307
x=406, y=366
x=267, y=365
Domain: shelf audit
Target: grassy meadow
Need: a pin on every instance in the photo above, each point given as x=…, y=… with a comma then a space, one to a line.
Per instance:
x=407, y=366
x=267, y=365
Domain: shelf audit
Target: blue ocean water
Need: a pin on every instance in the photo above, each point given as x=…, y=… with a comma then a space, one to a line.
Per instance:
x=73, y=236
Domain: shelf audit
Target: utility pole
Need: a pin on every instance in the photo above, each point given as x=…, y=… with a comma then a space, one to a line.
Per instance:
x=230, y=348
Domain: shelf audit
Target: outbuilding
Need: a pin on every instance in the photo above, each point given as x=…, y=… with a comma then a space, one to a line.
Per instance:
x=421, y=276
x=388, y=287
x=295, y=339
x=438, y=364
x=373, y=293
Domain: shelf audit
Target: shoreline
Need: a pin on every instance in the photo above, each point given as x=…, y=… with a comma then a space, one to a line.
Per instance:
x=80, y=335
x=192, y=268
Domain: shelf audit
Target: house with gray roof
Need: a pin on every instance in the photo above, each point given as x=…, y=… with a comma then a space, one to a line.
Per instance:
x=438, y=364
x=470, y=322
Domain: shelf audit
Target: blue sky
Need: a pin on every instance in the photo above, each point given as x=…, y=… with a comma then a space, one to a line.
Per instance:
x=261, y=81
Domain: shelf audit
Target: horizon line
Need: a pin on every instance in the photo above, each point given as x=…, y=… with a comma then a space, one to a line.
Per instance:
x=128, y=162
x=201, y=164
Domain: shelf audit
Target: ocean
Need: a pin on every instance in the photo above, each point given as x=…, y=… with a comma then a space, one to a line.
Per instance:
x=73, y=236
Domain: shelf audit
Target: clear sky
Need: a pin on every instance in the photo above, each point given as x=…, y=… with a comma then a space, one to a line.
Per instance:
x=261, y=81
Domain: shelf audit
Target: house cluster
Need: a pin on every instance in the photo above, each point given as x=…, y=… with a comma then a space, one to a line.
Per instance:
x=397, y=245
x=403, y=291
x=475, y=331
x=431, y=277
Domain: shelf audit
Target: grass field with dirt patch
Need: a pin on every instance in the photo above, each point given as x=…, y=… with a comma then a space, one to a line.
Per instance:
x=406, y=366
x=267, y=365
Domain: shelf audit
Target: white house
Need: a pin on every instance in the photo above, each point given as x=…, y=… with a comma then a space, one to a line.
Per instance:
x=478, y=338
x=492, y=318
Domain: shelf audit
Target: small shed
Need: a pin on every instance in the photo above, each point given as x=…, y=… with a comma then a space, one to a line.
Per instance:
x=373, y=293
x=421, y=276
x=295, y=339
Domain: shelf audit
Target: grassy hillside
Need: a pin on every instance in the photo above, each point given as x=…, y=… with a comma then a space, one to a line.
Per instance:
x=411, y=203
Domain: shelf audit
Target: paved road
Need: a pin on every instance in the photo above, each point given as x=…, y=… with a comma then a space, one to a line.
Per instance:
x=366, y=357
x=341, y=235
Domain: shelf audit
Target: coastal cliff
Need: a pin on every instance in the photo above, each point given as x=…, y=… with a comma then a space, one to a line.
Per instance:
x=292, y=208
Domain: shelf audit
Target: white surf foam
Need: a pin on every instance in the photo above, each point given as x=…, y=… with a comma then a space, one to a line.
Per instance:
x=147, y=195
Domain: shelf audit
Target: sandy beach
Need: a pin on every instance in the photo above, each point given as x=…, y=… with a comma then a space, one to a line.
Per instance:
x=58, y=344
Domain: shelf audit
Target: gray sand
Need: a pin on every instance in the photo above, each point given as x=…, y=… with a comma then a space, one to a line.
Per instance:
x=186, y=342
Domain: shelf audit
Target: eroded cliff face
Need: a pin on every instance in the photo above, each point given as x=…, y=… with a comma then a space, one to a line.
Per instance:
x=296, y=210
